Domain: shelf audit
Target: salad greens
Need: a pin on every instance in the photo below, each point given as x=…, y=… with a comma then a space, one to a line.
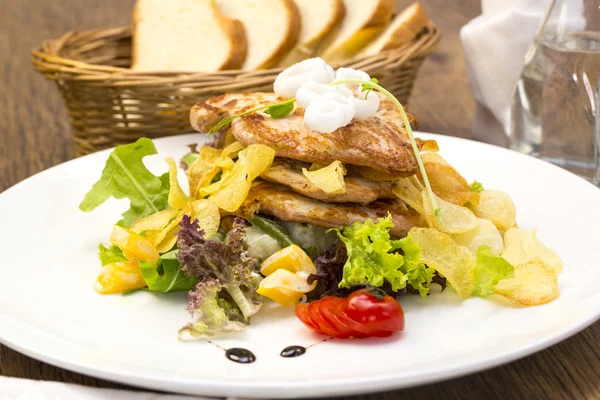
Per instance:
x=490, y=270
x=109, y=255
x=126, y=176
x=272, y=229
x=374, y=259
x=225, y=271
x=166, y=275
x=476, y=187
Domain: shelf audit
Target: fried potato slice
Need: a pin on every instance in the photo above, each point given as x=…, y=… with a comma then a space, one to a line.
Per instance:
x=486, y=234
x=203, y=170
x=498, y=207
x=533, y=284
x=375, y=175
x=208, y=216
x=329, y=179
x=154, y=222
x=406, y=190
x=252, y=161
x=456, y=263
x=177, y=198
x=451, y=218
x=521, y=247
x=232, y=150
x=446, y=182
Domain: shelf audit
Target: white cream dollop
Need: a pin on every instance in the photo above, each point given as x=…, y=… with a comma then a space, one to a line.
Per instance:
x=312, y=91
x=366, y=106
x=292, y=78
x=327, y=107
x=324, y=115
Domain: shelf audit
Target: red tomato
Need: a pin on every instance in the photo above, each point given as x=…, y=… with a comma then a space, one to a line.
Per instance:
x=361, y=315
x=376, y=313
x=328, y=308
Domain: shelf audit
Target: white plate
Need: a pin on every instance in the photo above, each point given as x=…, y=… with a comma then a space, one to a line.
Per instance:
x=49, y=310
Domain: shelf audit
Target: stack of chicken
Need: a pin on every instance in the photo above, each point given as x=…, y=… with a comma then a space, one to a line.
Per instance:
x=374, y=154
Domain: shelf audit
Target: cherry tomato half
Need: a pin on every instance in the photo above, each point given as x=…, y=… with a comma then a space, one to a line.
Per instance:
x=378, y=313
x=361, y=315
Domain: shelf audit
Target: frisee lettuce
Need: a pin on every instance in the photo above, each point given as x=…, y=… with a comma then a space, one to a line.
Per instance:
x=374, y=258
x=126, y=176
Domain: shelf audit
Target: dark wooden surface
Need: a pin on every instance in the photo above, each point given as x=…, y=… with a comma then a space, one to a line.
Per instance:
x=35, y=134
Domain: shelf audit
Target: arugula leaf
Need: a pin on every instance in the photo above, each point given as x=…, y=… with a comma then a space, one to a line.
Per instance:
x=477, y=187
x=490, y=270
x=280, y=110
x=109, y=255
x=172, y=277
x=125, y=176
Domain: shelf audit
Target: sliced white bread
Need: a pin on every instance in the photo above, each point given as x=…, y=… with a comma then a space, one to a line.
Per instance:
x=363, y=21
x=185, y=35
x=319, y=17
x=404, y=27
x=272, y=28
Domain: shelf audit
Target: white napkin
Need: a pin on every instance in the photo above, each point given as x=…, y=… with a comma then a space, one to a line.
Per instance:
x=494, y=45
x=25, y=389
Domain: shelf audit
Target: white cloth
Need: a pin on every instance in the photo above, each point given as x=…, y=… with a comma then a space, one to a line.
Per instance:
x=494, y=45
x=25, y=389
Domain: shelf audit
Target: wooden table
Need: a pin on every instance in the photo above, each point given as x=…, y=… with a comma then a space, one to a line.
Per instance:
x=35, y=134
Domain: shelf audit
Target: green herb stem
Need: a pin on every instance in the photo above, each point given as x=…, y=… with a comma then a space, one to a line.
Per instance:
x=374, y=85
x=227, y=120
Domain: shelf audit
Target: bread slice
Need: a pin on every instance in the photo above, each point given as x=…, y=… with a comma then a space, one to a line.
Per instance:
x=185, y=35
x=364, y=20
x=319, y=17
x=405, y=26
x=272, y=28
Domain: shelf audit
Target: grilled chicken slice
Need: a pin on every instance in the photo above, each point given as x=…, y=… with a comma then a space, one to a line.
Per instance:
x=379, y=142
x=283, y=203
x=358, y=190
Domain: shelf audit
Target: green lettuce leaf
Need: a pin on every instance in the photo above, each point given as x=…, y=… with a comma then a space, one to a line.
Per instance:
x=109, y=255
x=370, y=260
x=419, y=276
x=190, y=158
x=172, y=277
x=125, y=176
x=490, y=270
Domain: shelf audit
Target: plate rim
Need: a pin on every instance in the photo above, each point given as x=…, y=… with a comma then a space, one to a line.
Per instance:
x=296, y=389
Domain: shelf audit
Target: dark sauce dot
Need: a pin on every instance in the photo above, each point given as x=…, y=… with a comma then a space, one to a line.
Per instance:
x=293, y=351
x=240, y=355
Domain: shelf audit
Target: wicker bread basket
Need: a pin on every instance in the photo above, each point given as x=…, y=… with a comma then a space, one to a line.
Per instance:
x=109, y=104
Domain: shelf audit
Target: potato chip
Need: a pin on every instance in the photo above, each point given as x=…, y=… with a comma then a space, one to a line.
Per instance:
x=208, y=216
x=430, y=145
x=375, y=175
x=168, y=235
x=406, y=190
x=533, y=284
x=498, y=207
x=229, y=138
x=252, y=161
x=203, y=170
x=446, y=182
x=177, y=198
x=451, y=218
x=153, y=222
x=485, y=234
x=456, y=263
x=329, y=179
x=521, y=247
x=232, y=150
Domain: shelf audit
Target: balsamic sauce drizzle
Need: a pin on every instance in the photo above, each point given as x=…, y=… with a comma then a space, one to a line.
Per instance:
x=245, y=356
x=240, y=355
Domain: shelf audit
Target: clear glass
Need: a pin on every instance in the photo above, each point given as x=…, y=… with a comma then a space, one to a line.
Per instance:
x=556, y=102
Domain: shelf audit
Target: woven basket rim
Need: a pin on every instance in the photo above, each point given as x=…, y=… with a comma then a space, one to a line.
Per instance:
x=46, y=59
